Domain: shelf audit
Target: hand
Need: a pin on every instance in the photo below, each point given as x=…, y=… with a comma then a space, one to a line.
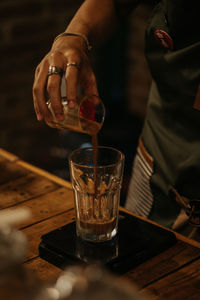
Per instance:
x=64, y=50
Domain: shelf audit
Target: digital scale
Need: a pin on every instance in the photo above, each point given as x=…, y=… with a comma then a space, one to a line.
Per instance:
x=136, y=242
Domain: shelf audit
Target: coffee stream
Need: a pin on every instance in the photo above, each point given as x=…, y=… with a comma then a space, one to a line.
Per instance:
x=95, y=155
x=99, y=225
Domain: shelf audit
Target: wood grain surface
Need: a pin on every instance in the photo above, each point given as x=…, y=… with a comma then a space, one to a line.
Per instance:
x=173, y=274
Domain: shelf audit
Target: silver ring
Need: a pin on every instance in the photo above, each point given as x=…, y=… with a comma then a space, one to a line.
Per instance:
x=74, y=64
x=55, y=70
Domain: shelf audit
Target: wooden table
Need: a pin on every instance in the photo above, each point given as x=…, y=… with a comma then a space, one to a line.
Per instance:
x=173, y=274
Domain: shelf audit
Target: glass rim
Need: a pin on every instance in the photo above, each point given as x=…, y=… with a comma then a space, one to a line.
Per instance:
x=83, y=98
x=122, y=156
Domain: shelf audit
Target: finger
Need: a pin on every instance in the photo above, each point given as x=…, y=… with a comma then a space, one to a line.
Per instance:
x=53, y=85
x=36, y=107
x=37, y=111
x=39, y=93
x=71, y=77
x=53, y=88
x=89, y=84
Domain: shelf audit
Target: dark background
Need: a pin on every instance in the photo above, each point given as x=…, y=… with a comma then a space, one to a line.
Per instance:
x=27, y=31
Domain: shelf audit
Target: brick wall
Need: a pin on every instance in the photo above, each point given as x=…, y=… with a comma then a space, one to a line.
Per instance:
x=26, y=33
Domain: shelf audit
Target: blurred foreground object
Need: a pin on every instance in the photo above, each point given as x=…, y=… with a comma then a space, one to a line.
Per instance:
x=93, y=282
x=15, y=282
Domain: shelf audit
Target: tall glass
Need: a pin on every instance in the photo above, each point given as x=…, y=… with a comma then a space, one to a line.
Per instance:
x=96, y=176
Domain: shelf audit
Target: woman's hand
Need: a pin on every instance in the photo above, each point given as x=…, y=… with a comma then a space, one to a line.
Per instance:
x=67, y=53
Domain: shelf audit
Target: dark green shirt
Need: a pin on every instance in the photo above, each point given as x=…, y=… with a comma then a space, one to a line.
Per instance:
x=171, y=131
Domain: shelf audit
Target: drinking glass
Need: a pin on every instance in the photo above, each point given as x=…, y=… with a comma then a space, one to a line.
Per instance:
x=96, y=176
x=86, y=117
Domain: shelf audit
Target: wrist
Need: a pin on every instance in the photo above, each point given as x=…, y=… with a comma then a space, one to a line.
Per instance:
x=79, y=37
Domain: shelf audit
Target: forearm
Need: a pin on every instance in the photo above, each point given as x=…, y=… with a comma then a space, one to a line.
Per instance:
x=96, y=19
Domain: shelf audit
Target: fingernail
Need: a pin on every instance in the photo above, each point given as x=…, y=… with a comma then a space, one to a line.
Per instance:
x=71, y=104
x=59, y=117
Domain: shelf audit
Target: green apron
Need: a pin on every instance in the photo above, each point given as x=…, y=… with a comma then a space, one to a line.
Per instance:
x=171, y=132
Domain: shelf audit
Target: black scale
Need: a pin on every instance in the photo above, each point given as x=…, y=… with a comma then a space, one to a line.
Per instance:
x=136, y=242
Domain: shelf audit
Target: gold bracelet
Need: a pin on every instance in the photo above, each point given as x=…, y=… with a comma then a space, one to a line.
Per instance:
x=89, y=47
